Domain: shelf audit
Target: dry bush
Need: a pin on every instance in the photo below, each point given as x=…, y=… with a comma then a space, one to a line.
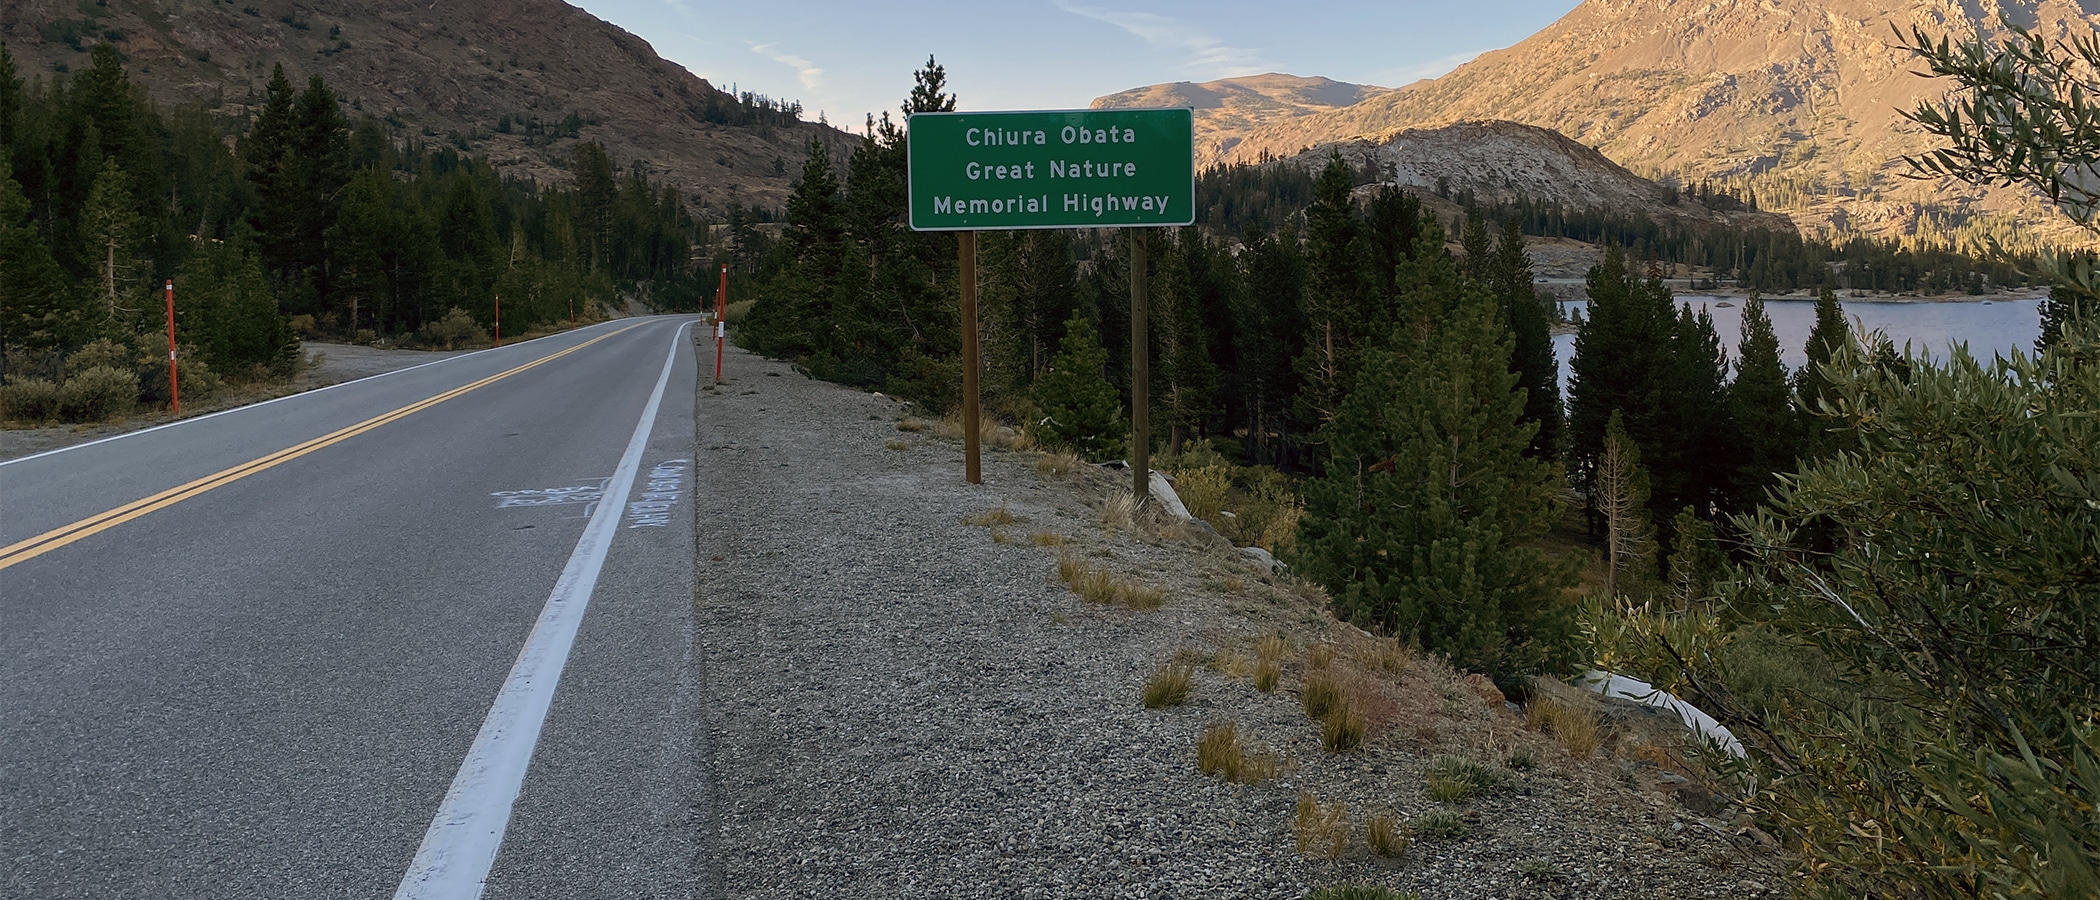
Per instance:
x=896, y=445
x=1386, y=837
x=1229, y=664
x=911, y=425
x=1001, y=537
x=1220, y=752
x=1574, y=726
x=1320, y=656
x=1342, y=730
x=1321, y=693
x=1203, y=491
x=991, y=517
x=1047, y=539
x=1169, y=686
x=1321, y=831
x=1060, y=464
x=1232, y=585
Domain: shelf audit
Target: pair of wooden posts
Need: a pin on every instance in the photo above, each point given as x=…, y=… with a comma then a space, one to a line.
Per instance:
x=1140, y=366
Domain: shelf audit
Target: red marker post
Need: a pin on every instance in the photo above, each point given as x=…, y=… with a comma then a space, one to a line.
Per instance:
x=499, y=320
x=721, y=330
x=174, y=384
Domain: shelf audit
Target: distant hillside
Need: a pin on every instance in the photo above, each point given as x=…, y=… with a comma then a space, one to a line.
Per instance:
x=1226, y=110
x=1797, y=99
x=518, y=80
x=1503, y=162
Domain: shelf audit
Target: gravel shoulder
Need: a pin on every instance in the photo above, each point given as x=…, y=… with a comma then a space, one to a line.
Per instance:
x=334, y=364
x=899, y=704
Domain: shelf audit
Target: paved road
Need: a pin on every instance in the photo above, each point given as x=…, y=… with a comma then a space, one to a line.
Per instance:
x=269, y=679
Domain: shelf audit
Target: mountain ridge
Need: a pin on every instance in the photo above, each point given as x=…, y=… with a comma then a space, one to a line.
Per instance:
x=518, y=81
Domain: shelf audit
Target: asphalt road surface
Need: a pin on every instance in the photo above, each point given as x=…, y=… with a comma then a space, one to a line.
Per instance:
x=424, y=635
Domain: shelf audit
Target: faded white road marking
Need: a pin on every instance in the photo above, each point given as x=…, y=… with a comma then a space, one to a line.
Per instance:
x=460, y=846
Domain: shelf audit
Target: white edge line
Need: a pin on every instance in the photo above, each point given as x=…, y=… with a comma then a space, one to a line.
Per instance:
x=460, y=846
x=118, y=437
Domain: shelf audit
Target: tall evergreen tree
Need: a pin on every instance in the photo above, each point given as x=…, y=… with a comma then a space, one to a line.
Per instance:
x=1187, y=381
x=1759, y=400
x=1269, y=330
x=1538, y=372
x=1334, y=295
x=1424, y=519
x=110, y=224
x=1821, y=434
x=38, y=308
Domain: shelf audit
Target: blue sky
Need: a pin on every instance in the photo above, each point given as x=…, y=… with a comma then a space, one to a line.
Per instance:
x=846, y=59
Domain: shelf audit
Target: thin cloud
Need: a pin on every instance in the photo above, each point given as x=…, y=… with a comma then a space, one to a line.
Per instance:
x=1405, y=75
x=1205, y=54
x=811, y=75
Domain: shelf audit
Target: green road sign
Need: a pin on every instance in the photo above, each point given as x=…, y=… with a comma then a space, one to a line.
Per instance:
x=1088, y=168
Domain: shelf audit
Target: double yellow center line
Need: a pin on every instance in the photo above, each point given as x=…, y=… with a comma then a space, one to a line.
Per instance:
x=23, y=551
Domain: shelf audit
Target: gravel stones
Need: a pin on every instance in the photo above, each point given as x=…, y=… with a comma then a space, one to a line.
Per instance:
x=898, y=704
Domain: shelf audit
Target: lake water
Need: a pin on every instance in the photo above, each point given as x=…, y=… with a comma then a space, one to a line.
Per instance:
x=1990, y=328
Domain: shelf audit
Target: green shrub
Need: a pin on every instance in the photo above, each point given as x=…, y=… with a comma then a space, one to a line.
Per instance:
x=29, y=400
x=97, y=394
x=102, y=353
x=457, y=329
x=1439, y=825
x=1454, y=779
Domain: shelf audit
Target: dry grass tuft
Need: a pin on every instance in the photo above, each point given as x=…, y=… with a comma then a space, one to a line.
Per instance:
x=1232, y=585
x=1321, y=831
x=1059, y=464
x=1575, y=727
x=913, y=426
x=1386, y=837
x=1343, y=728
x=1120, y=510
x=896, y=445
x=1001, y=537
x=1169, y=686
x=1267, y=672
x=1320, y=656
x=1389, y=656
x=1321, y=694
x=1102, y=586
x=1047, y=539
x=1273, y=646
x=1229, y=664
x=1220, y=752
x=991, y=517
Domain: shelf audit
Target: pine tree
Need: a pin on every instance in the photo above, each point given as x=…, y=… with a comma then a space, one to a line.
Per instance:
x=1333, y=297
x=1538, y=372
x=1822, y=435
x=1764, y=415
x=110, y=225
x=224, y=306
x=1620, y=492
x=1269, y=328
x=1187, y=380
x=2061, y=308
x=38, y=308
x=595, y=195
x=1079, y=408
x=1424, y=520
